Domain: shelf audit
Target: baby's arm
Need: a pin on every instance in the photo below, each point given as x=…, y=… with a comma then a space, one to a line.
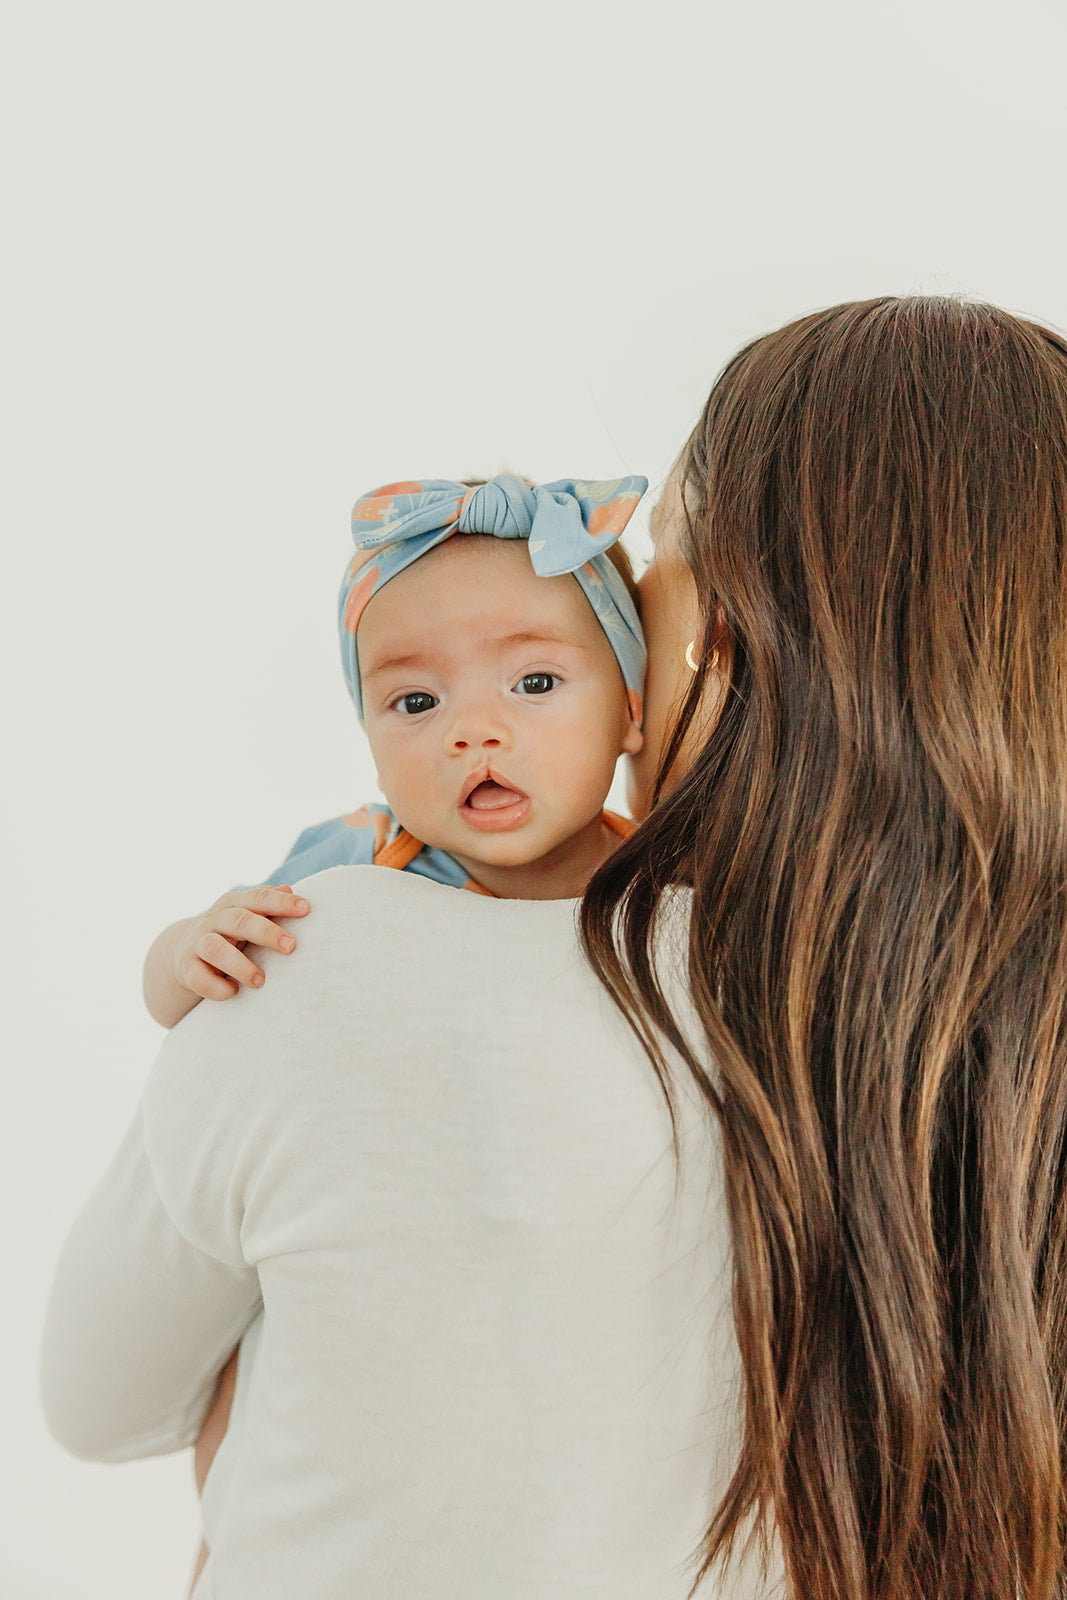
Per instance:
x=202, y=958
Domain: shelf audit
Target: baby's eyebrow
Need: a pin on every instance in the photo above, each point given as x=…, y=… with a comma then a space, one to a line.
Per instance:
x=393, y=664
x=508, y=641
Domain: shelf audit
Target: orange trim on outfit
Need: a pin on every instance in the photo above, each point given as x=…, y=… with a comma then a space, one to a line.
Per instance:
x=623, y=826
x=405, y=847
x=403, y=850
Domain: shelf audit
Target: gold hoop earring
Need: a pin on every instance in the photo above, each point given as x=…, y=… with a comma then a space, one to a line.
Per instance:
x=694, y=666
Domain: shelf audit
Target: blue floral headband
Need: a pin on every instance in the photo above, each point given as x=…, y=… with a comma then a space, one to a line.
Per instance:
x=568, y=525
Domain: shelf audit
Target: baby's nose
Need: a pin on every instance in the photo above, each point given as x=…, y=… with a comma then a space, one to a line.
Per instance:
x=477, y=725
x=477, y=721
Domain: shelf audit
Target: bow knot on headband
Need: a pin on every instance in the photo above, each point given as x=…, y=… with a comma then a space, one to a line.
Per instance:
x=568, y=526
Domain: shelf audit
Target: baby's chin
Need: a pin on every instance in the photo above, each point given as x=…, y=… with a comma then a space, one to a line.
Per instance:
x=500, y=849
x=537, y=849
x=521, y=844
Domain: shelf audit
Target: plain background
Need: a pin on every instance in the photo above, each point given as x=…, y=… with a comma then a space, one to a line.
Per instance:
x=260, y=258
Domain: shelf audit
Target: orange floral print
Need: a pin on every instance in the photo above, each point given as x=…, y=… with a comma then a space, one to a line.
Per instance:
x=359, y=560
x=613, y=517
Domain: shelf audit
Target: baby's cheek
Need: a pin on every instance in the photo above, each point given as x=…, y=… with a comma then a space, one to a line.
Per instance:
x=394, y=779
x=583, y=762
x=388, y=764
x=410, y=786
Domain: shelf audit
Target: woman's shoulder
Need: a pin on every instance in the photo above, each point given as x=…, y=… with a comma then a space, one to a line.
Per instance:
x=376, y=908
x=406, y=1009
x=383, y=917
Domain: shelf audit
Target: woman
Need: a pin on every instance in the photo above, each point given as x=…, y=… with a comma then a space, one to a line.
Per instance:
x=876, y=836
x=494, y=1353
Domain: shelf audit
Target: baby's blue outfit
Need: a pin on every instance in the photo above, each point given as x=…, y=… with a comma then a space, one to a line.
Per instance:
x=356, y=840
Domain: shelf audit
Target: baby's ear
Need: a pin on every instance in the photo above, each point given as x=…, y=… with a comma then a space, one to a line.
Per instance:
x=632, y=740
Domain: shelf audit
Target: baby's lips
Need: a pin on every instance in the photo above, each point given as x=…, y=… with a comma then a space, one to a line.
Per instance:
x=486, y=789
x=487, y=774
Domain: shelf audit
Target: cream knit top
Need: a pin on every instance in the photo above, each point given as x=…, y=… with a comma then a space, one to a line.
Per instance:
x=424, y=1176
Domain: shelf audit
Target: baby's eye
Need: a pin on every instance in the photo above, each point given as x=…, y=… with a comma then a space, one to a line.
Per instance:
x=412, y=704
x=537, y=683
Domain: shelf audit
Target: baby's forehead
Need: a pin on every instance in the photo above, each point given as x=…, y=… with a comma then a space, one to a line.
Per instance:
x=486, y=586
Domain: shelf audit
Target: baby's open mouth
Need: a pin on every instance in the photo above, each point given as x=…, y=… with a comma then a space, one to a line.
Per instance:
x=492, y=804
x=490, y=796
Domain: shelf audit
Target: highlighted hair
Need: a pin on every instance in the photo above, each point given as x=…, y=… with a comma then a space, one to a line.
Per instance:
x=876, y=838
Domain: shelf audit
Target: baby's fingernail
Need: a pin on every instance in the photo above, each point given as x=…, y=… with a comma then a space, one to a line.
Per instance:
x=302, y=905
x=285, y=942
x=257, y=980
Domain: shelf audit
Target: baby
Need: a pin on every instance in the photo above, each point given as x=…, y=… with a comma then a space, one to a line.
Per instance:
x=492, y=647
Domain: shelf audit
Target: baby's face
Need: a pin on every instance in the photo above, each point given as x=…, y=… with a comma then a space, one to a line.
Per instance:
x=494, y=705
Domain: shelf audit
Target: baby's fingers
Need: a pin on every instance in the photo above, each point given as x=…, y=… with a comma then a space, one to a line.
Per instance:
x=268, y=900
x=238, y=922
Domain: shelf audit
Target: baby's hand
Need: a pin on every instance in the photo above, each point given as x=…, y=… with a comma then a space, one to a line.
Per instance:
x=208, y=958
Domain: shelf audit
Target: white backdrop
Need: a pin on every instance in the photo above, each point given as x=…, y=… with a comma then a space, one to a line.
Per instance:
x=259, y=258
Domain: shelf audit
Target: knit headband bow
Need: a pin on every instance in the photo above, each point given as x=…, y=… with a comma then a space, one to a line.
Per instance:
x=568, y=525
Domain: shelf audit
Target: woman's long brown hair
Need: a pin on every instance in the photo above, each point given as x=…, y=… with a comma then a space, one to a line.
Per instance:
x=876, y=838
